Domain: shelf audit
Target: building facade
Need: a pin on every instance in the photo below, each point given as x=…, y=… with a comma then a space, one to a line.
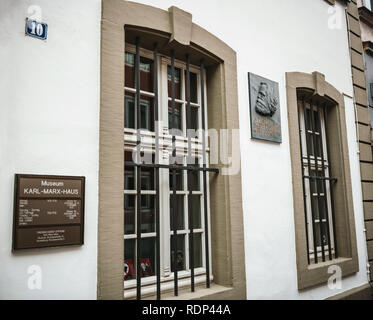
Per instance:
x=366, y=24
x=193, y=205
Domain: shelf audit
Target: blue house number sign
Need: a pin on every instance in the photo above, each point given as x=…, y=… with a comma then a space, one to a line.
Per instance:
x=36, y=29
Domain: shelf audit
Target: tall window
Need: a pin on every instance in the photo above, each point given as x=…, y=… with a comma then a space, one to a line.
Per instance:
x=317, y=181
x=172, y=92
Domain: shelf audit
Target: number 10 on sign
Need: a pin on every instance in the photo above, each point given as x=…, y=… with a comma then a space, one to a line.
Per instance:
x=36, y=29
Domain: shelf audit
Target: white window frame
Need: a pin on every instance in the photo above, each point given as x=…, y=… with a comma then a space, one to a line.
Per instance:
x=307, y=182
x=165, y=146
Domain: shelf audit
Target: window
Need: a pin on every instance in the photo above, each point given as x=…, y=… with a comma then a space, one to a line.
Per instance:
x=322, y=193
x=121, y=23
x=164, y=122
x=317, y=182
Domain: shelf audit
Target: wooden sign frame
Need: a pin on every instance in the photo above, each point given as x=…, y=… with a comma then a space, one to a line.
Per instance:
x=48, y=211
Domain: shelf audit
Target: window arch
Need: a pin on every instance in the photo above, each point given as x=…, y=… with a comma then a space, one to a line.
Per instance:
x=305, y=91
x=174, y=28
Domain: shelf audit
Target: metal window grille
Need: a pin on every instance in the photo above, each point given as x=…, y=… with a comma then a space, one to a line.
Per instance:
x=317, y=180
x=174, y=169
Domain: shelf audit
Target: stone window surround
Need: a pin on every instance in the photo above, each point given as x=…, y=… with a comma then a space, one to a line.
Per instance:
x=316, y=274
x=227, y=238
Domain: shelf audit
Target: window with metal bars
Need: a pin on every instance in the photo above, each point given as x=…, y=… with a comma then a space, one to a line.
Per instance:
x=166, y=211
x=317, y=180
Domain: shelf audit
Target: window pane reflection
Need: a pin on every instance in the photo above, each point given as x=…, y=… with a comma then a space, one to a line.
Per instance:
x=180, y=255
x=179, y=212
x=147, y=258
x=197, y=242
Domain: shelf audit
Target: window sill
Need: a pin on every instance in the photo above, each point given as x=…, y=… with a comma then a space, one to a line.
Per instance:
x=148, y=289
x=328, y=263
x=317, y=274
x=200, y=293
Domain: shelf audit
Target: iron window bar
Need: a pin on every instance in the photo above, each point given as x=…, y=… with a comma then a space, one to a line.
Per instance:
x=157, y=197
x=320, y=178
x=138, y=172
x=330, y=174
x=207, y=253
x=174, y=167
x=303, y=184
x=174, y=211
x=171, y=167
x=325, y=204
x=309, y=168
x=190, y=213
x=319, y=181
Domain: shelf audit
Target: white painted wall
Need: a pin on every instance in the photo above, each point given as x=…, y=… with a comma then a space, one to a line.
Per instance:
x=52, y=127
x=49, y=117
x=273, y=37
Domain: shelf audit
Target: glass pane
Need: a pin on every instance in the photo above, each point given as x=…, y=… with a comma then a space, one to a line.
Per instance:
x=179, y=179
x=147, y=257
x=146, y=74
x=325, y=233
x=147, y=174
x=177, y=82
x=195, y=176
x=147, y=178
x=196, y=211
x=320, y=181
x=310, y=148
x=129, y=177
x=322, y=209
x=197, y=242
x=193, y=87
x=129, y=214
x=128, y=156
x=146, y=112
x=317, y=231
x=129, y=259
x=315, y=207
x=178, y=160
x=129, y=70
x=147, y=116
x=318, y=147
x=313, y=181
x=308, y=118
x=179, y=212
x=129, y=112
x=193, y=119
x=177, y=123
x=313, y=137
x=316, y=121
x=147, y=213
x=318, y=234
x=180, y=254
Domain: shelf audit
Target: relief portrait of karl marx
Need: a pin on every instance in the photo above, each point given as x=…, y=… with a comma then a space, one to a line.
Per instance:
x=266, y=103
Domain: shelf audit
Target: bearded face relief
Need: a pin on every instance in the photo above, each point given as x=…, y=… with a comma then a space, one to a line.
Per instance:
x=266, y=103
x=265, y=109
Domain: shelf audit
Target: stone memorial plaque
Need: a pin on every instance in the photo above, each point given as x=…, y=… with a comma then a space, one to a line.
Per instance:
x=48, y=211
x=264, y=108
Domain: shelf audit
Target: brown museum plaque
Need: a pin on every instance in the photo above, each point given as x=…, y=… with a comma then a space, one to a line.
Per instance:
x=48, y=211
